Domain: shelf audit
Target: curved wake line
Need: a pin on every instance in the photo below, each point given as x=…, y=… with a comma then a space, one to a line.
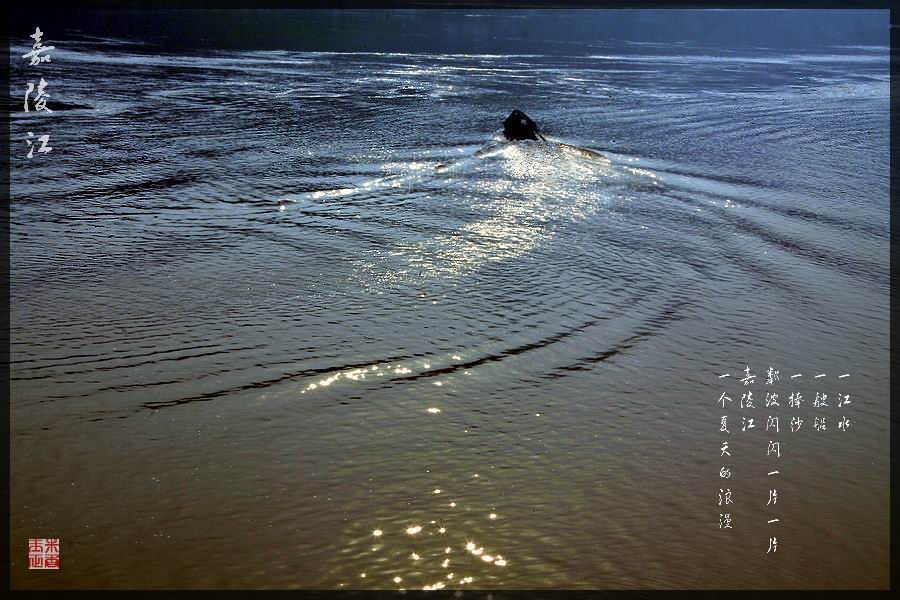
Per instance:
x=418, y=171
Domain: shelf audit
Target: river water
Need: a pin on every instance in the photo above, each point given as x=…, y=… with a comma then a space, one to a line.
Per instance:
x=266, y=305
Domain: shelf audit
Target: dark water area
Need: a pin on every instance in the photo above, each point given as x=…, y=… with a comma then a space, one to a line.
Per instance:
x=269, y=303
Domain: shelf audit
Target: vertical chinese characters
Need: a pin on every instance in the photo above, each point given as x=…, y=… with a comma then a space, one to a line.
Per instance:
x=772, y=397
x=39, y=54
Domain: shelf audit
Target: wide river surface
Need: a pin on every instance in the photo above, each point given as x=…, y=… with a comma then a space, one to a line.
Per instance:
x=294, y=319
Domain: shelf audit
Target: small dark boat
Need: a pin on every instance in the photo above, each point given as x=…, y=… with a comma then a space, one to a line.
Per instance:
x=519, y=126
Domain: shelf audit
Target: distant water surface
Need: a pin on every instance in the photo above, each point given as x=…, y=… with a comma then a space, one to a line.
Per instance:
x=214, y=389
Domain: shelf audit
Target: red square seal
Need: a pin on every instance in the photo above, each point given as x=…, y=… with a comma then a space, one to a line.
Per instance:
x=43, y=553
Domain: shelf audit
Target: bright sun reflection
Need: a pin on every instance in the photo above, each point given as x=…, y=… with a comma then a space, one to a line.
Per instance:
x=426, y=560
x=520, y=192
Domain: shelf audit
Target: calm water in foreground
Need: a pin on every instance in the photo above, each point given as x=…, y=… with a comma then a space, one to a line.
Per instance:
x=208, y=391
